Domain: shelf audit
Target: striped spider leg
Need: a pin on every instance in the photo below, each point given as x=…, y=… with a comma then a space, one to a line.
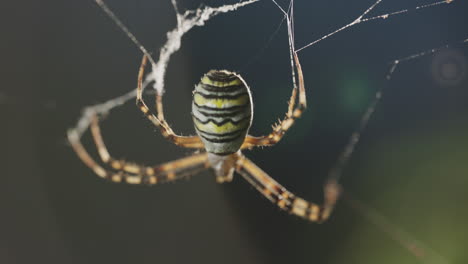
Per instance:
x=160, y=121
x=131, y=173
x=149, y=175
x=284, y=199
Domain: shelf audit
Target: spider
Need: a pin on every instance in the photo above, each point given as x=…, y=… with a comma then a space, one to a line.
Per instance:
x=222, y=112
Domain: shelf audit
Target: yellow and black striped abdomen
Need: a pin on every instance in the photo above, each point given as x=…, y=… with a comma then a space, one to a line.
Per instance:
x=222, y=111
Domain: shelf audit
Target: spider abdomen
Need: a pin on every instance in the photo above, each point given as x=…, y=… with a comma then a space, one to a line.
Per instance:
x=222, y=111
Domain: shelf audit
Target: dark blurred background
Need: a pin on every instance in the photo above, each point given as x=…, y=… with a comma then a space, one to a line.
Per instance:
x=411, y=166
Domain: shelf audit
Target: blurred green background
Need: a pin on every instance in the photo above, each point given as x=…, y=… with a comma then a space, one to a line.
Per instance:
x=411, y=166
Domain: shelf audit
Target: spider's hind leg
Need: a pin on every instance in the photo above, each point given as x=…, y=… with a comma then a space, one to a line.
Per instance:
x=166, y=172
x=133, y=173
x=284, y=199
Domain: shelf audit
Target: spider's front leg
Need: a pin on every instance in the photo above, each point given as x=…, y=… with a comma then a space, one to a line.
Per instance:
x=294, y=112
x=284, y=199
x=160, y=121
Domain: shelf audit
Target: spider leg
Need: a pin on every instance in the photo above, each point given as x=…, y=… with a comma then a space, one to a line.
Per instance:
x=294, y=112
x=284, y=199
x=122, y=165
x=133, y=174
x=159, y=121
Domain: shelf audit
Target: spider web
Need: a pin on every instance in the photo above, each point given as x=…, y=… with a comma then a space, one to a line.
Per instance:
x=189, y=19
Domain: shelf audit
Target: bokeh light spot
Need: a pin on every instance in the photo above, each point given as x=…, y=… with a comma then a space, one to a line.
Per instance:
x=449, y=67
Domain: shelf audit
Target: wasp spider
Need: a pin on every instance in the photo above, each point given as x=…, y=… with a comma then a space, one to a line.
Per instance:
x=222, y=115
